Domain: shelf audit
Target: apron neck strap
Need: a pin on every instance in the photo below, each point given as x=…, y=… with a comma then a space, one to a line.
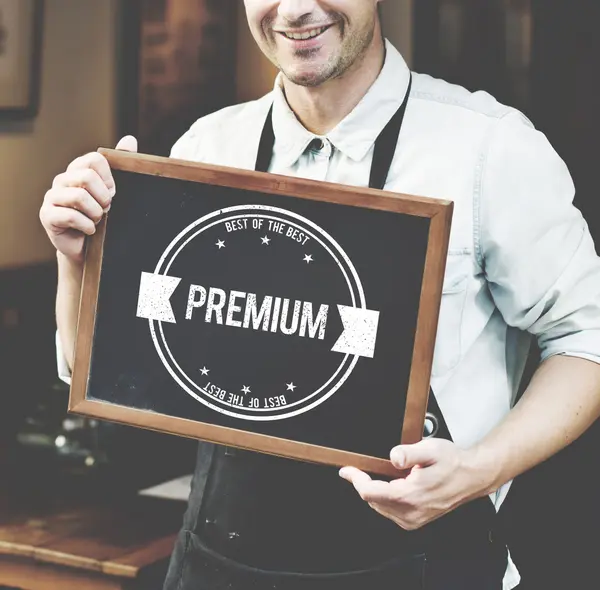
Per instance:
x=266, y=145
x=387, y=144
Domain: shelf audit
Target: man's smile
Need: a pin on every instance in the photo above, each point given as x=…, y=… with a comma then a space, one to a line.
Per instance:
x=302, y=35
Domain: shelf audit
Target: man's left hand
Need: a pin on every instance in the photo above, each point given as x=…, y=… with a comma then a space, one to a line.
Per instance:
x=439, y=477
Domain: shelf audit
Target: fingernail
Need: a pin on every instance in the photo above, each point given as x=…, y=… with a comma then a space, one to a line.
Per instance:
x=398, y=458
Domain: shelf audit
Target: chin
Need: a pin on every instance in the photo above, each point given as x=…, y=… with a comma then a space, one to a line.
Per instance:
x=309, y=77
x=305, y=80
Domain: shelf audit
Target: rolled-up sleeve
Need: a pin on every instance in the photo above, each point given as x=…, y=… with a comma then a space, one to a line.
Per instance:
x=534, y=245
x=64, y=372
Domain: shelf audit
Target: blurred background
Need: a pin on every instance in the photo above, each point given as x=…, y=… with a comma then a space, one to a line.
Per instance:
x=78, y=74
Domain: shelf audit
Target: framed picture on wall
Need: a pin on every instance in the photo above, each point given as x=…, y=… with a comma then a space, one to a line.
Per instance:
x=20, y=56
x=177, y=65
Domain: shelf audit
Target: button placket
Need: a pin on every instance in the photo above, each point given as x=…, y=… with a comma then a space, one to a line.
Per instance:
x=319, y=160
x=320, y=147
x=317, y=144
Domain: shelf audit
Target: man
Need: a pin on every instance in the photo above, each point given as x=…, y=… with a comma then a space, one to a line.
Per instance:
x=521, y=263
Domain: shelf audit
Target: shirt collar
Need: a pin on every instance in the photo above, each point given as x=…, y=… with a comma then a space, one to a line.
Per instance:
x=355, y=135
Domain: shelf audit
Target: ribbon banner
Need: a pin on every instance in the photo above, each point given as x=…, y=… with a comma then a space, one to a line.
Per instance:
x=358, y=338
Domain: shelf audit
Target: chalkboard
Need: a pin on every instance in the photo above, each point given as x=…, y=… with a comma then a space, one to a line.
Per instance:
x=286, y=316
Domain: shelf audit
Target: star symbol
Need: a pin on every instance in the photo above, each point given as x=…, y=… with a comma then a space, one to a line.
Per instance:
x=205, y=371
x=220, y=244
x=291, y=386
x=266, y=240
x=308, y=259
x=246, y=389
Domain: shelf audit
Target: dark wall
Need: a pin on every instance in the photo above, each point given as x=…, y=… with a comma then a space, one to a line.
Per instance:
x=27, y=365
x=552, y=512
x=565, y=87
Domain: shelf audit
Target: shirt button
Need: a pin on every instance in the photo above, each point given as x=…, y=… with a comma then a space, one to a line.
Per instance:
x=431, y=426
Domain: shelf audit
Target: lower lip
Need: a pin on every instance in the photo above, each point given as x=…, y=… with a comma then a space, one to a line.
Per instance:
x=306, y=43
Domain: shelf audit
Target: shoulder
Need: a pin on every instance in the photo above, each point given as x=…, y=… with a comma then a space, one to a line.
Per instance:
x=444, y=97
x=222, y=136
x=462, y=143
x=467, y=128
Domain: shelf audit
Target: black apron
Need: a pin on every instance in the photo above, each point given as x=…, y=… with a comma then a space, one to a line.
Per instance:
x=278, y=515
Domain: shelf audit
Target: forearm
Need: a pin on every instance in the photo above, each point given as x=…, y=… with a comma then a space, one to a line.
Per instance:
x=436, y=476
x=67, y=303
x=561, y=402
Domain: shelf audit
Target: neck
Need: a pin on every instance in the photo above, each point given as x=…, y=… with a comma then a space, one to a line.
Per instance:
x=322, y=108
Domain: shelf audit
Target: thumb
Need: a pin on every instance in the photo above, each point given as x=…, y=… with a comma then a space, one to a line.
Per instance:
x=128, y=144
x=420, y=454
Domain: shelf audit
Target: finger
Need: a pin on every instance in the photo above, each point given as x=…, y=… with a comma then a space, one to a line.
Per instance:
x=99, y=163
x=352, y=475
x=368, y=489
x=78, y=199
x=128, y=144
x=87, y=179
x=406, y=520
x=60, y=219
x=420, y=454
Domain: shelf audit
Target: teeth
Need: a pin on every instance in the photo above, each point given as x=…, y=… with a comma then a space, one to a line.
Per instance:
x=307, y=35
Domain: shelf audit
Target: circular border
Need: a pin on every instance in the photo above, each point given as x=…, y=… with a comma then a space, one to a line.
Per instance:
x=184, y=238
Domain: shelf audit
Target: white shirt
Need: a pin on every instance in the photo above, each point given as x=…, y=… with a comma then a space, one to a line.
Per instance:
x=521, y=260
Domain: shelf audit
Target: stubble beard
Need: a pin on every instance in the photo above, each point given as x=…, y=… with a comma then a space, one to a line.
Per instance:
x=350, y=55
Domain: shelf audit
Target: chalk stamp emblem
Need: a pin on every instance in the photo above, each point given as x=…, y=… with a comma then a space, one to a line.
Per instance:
x=244, y=286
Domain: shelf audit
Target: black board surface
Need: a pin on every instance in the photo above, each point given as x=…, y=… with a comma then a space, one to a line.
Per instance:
x=263, y=313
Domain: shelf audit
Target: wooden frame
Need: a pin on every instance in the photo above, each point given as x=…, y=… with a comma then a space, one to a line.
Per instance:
x=439, y=214
x=21, y=25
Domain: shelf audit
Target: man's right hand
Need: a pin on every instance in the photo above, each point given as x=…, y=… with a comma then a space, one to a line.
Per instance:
x=77, y=201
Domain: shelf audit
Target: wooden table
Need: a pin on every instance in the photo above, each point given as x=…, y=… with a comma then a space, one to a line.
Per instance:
x=102, y=545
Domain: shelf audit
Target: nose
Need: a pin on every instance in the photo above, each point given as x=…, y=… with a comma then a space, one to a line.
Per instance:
x=294, y=10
